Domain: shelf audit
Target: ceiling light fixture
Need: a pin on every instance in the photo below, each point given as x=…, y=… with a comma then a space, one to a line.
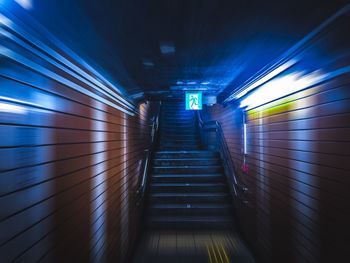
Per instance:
x=280, y=87
x=269, y=76
x=148, y=63
x=167, y=48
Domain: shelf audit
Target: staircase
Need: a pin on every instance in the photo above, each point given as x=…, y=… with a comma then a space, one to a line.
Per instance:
x=188, y=188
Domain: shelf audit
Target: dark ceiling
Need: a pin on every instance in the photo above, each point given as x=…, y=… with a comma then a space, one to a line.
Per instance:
x=214, y=44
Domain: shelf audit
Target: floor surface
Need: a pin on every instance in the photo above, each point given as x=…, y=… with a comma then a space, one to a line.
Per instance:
x=192, y=247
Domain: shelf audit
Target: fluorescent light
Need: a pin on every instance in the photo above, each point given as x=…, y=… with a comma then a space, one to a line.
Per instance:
x=148, y=63
x=266, y=78
x=281, y=87
x=167, y=48
x=244, y=138
x=188, y=88
x=137, y=95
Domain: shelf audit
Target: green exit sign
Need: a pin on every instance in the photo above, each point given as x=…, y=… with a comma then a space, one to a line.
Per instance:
x=193, y=100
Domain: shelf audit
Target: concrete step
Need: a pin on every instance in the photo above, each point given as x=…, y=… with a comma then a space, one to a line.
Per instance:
x=184, y=147
x=179, y=142
x=169, y=117
x=193, y=169
x=187, y=126
x=176, y=119
x=177, y=111
x=178, y=125
x=179, y=139
x=190, y=222
x=178, y=129
x=191, y=136
x=186, y=154
x=189, y=210
x=192, y=198
x=185, y=161
x=188, y=178
x=178, y=145
x=188, y=187
x=178, y=132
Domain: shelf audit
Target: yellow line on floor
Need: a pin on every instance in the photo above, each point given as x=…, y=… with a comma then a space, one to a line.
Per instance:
x=209, y=254
x=225, y=254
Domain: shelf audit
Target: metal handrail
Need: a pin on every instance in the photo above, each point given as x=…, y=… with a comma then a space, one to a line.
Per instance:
x=221, y=145
x=140, y=192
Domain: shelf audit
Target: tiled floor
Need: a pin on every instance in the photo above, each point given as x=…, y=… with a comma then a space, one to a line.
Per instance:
x=192, y=247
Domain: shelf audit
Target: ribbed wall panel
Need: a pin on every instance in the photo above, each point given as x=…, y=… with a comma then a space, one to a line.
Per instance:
x=296, y=208
x=69, y=162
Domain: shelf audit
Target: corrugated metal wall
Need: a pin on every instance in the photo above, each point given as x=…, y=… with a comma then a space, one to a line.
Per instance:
x=70, y=156
x=298, y=173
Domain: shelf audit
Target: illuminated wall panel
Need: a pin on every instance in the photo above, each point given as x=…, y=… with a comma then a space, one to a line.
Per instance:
x=296, y=208
x=70, y=152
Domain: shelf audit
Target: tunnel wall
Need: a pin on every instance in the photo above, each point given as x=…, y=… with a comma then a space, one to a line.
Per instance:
x=296, y=208
x=70, y=156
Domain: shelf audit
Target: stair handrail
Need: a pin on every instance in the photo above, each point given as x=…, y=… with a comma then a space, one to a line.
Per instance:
x=148, y=153
x=224, y=151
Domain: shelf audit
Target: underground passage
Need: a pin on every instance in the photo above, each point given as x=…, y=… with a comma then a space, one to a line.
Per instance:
x=175, y=131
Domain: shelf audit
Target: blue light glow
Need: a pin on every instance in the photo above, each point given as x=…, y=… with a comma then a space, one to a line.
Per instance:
x=26, y=4
x=11, y=108
x=266, y=78
x=96, y=80
x=4, y=21
x=281, y=87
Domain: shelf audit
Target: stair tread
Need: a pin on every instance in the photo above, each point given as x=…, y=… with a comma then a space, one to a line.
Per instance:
x=186, y=175
x=179, y=139
x=189, y=124
x=194, y=206
x=186, y=137
x=188, y=159
x=187, y=166
x=188, y=184
x=181, y=218
x=181, y=151
x=179, y=142
x=204, y=194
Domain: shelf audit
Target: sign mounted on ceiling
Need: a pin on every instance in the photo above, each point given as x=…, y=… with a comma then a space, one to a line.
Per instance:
x=193, y=100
